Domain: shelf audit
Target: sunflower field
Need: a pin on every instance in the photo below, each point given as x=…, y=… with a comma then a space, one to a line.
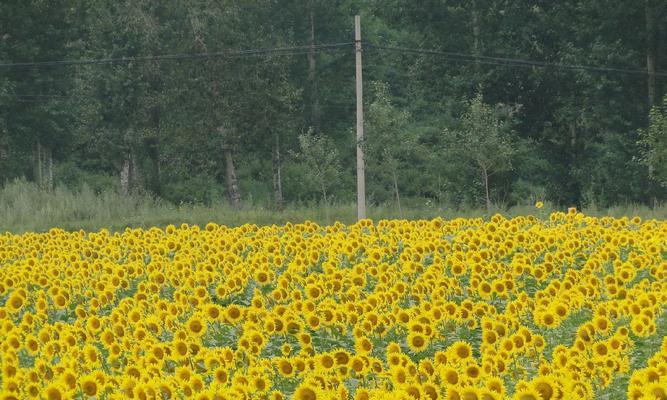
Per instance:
x=561, y=306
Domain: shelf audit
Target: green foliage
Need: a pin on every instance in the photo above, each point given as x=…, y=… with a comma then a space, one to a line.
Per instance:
x=319, y=155
x=392, y=143
x=582, y=137
x=485, y=139
x=654, y=140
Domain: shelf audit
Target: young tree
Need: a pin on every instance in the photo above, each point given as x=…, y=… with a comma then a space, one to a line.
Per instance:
x=389, y=140
x=654, y=141
x=485, y=139
x=319, y=154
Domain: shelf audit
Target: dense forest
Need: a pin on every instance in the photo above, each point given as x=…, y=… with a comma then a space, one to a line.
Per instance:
x=467, y=102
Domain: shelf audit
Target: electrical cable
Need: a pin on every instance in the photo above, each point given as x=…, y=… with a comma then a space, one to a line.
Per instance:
x=505, y=61
x=175, y=57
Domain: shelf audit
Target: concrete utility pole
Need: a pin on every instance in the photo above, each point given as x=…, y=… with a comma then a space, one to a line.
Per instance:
x=361, y=179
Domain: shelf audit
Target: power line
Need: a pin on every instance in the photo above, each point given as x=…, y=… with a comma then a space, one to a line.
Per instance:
x=276, y=51
x=307, y=49
x=512, y=62
x=39, y=96
x=316, y=51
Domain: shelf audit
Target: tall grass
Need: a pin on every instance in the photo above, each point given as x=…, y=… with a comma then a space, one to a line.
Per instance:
x=24, y=207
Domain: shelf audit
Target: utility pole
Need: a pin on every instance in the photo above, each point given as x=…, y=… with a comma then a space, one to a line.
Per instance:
x=361, y=179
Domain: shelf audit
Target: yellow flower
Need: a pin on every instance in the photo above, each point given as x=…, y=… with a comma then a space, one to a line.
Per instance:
x=54, y=391
x=527, y=394
x=460, y=350
x=89, y=386
x=15, y=302
x=305, y=393
x=196, y=326
x=417, y=342
x=539, y=204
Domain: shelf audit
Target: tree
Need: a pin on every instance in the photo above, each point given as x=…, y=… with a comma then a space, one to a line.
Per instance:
x=389, y=140
x=120, y=104
x=485, y=139
x=157, y=124
x=36, y=116
x=319, y=154
x=654, y=142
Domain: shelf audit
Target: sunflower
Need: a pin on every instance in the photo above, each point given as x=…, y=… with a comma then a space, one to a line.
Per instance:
x=220, y=376
x=31, y=344
x=213, y=312
x=489, y=337
x=496, y=385
x=453, y=393
x=527, y=394
x=8, y=395
x=460, y=350
x=547, y=387
x=285, y=367
x=89, y=386
x=179, y=348
x=399, y=375
x=414, y=391
x=196, y=326
x=657, y=389
x=449, y=376
x=31, y=390
x=233, y=313
x=417, y=342
x=260, y=384
x=305, y=339
x=601, y=349
x=276, y=395
x=15, y=302
x=313, y=321
x=469, y=393
x=473, y=372
x=325, y=361
x=362, y=394
x=363, y=345
x=357, y=364
x=305, y=392
x=548, y=319
x=54, y=391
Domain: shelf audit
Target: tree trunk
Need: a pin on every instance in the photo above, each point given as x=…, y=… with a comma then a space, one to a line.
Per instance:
x=44, y=166
x=125, y=175
x=38, y=164
x=485, y=176
x=152, y=146
x=232, y=182
x=651, y=60
x=128, y=169
x=277, y=178
x=396, y=193
x=312, y=71
x=230, y=171
x=326, y=202
x=651, y=51
x=476, y=46
x=48, y=169
x=4, y=147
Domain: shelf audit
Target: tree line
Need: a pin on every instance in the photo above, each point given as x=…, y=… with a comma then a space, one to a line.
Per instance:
x=455, y=112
